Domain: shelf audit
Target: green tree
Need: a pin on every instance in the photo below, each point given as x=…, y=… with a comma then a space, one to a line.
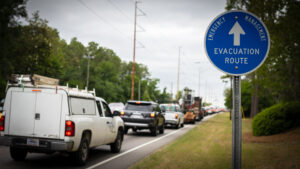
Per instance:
x=75, y=64
x=278, y=78
x=10, y=12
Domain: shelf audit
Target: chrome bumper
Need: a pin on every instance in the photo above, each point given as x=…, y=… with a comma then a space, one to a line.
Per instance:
x=136, y=124
x=44, y=144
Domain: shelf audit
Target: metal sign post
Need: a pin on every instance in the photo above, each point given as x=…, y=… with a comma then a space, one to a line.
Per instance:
x=237, y=43
x=236, y=124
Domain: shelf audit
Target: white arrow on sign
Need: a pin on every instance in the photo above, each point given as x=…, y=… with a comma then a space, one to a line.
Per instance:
x=236, y=30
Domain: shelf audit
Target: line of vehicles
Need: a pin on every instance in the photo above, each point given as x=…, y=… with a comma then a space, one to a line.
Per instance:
x=39, y=116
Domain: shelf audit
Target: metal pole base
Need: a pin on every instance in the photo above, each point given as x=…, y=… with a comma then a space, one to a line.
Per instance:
x=236, y=125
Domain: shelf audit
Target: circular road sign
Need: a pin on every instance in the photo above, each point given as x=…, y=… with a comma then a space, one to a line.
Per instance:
x=237, y=42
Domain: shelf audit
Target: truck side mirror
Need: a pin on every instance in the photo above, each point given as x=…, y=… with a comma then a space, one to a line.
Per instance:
x=116, y=113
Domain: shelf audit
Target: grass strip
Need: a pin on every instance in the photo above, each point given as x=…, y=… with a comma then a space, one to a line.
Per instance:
x=208, y=145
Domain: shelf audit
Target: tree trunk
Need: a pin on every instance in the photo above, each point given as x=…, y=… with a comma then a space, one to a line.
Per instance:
x=254, y=97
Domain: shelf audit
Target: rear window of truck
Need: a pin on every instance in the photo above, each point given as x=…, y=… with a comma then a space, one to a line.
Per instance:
x=139, y=107
x=81, y=106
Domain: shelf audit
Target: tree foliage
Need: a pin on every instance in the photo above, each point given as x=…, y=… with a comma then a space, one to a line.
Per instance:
x=35, y=48
x=279, y=77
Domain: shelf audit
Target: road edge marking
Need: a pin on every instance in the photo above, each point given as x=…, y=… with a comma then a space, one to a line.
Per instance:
x=133, y=149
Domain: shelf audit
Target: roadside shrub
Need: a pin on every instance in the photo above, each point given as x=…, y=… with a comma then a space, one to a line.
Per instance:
x=276, y=119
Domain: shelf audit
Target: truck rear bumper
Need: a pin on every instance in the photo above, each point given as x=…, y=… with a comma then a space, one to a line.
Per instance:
x=128, y=124
x=39, y=144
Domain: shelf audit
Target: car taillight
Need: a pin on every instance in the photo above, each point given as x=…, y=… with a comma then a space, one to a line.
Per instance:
x=176, y=116
x=70, y=128
x=152, y=115
x=2, y=120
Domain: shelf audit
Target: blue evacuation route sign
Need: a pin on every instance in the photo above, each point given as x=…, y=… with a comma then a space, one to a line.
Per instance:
x=237, y=42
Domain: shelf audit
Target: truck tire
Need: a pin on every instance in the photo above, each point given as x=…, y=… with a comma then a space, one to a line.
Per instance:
x=116, y=146
x=199, y=117
x=81, y=155
x=162, y=129
x=177, y=126
x=182, y=124
x=18, y=154
x=154, y=131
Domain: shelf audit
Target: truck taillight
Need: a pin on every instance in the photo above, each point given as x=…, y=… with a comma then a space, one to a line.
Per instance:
x=2, y=120
x=70, y=128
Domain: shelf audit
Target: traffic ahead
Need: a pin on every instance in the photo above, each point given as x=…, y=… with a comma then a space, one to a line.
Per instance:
x=57, y=119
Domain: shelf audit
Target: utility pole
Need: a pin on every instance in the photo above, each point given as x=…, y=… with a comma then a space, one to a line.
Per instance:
x=205, y=100
x=134, y=46
x=171, y=99
x=89, y=57
x=136, y=9
x=139, y=89
x=199, y=83
x=178, y=72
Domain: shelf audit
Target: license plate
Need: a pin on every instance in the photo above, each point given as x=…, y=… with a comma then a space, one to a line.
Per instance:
x=136, y=116
x=33, y=142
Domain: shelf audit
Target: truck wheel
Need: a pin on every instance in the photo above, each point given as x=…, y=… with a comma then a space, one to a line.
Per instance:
x=154, y=131
x=18, y=154
x=194, y=121
x=162, y=129
x=182, y=124
x=176, y=126
x=116, y=146
x=81, y=155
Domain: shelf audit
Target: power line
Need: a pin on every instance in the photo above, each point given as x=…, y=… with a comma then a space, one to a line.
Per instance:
x=103, y=20
x=121, y=11
x=141, y=29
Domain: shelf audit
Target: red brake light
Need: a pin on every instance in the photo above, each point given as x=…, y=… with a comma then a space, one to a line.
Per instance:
x=70, y=128
x=2, y=119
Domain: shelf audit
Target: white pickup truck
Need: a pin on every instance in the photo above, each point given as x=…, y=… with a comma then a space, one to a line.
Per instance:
x=56, y=118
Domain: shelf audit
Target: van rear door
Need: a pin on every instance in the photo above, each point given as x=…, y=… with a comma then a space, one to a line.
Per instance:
x=47, y=115
x=22, y=114
x=35, y=114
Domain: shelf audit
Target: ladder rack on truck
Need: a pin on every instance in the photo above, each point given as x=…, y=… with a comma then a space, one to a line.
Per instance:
x=42, y=82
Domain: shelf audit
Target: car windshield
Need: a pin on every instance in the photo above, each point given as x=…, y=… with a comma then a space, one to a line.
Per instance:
x=116, y=104
x=138, y=107
x=169, y=108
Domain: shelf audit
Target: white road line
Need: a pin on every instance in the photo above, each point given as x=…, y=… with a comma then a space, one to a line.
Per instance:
x=133, y=149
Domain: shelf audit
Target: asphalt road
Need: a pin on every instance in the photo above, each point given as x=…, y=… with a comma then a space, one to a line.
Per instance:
x=136, y=146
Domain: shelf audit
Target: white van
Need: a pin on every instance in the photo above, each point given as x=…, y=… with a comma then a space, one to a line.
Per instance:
x=41, y=118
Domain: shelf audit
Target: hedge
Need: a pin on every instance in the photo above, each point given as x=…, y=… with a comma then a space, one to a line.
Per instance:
x=276, y=119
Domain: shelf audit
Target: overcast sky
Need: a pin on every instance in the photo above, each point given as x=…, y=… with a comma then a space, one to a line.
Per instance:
x=168, y=25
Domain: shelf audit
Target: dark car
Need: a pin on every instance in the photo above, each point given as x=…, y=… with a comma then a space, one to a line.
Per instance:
x=139, y=115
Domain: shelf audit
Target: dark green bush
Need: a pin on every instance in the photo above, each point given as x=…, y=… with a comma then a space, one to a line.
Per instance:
x=276, y=119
